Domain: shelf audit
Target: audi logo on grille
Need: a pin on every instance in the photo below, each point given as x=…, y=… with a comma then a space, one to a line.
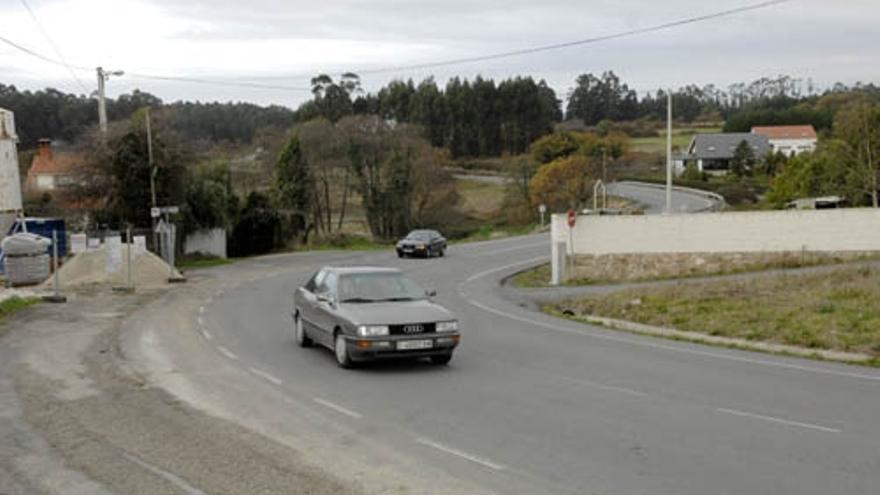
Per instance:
x=413, y=328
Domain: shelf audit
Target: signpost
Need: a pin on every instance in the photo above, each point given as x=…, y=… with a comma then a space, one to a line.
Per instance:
x=167, y=230
x=542, y=210
x=572, y=220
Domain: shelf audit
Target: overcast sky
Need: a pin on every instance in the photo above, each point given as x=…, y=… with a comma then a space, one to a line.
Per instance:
x=285, y=42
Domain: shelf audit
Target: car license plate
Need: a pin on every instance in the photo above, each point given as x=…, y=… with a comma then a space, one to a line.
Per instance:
x=408, y=345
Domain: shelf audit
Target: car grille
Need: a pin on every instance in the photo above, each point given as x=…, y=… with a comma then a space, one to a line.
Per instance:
x=412, y=329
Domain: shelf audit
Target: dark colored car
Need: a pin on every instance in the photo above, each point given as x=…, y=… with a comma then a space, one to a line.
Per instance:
x=425, y=243
x=368, y=313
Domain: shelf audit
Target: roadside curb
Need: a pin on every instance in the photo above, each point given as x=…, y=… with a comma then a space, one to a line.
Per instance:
x=672, y=333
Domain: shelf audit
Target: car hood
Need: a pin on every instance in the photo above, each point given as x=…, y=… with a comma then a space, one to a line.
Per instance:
x=394, y=312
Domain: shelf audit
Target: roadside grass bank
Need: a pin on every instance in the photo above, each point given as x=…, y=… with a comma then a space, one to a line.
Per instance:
x=625, y=268
x=15, y=304
x=203, y=262
x=832, y=311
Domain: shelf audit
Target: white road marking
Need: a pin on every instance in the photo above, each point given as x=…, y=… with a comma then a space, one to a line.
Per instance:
x=171, y=477
x=266, y=376
x=600, y=386
x=209, y=299
x=505, y=250
x=206, y=334
x=200, y=321
x=505, y=267
x=226, y=352
x=772, y=419
x=464, y=455
x=338, y=408
x=201, y=309
x=684, y=350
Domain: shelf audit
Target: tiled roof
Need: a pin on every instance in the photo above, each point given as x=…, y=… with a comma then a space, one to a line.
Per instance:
x=786, y=131
x=722, y=146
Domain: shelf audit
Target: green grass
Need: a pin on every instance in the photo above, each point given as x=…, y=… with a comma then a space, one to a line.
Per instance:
x=15, y=304
x=344, y=242
x=837, y=311
x=681, y=138
x=480, y=199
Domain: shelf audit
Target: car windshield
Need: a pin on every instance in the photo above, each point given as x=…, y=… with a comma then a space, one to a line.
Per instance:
x=419, y=236
x=378, y=286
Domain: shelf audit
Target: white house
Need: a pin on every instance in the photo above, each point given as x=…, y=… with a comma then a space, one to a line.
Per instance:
x=790, y=140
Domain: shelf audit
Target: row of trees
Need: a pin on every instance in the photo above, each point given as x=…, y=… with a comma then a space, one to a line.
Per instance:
x=469, y=118
x=64, y=116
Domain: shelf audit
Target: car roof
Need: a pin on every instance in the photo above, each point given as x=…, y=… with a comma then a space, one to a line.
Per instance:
x=423, y=231
x=345, y=270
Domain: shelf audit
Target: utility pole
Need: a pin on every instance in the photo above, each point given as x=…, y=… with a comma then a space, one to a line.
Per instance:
x=103, y=76
x=153, y=171
x=669, y=151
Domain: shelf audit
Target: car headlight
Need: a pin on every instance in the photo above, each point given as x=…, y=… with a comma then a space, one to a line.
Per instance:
x=447, y=326
x=372, y=330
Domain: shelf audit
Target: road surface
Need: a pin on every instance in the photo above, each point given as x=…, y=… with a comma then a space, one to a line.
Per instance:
x=532, y=404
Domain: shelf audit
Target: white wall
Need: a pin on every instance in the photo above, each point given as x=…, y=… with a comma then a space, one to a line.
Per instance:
x=797, y=146
x=10, y=182
x=210, y=241
x=853, y=229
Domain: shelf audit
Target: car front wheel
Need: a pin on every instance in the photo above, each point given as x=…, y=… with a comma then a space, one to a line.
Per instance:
x=340, y=349
x=299, y=333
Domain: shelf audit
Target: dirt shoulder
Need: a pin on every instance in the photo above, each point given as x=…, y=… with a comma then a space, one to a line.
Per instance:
x=76, y=418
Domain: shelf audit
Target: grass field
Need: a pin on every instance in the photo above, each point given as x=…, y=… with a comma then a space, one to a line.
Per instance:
x=480, y=199
x=837, y=311
x=681, y=138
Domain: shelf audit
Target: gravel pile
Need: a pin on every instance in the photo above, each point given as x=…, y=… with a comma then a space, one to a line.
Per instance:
x=90, y=268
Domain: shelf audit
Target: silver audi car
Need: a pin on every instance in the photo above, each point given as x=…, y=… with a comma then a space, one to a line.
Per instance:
x=368, y=313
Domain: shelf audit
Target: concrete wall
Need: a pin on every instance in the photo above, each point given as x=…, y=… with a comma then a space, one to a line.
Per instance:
x=841, y=230
x=209, y=241
x=10, y=182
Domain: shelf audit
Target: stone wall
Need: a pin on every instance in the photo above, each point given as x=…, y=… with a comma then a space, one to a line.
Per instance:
x=635, y=267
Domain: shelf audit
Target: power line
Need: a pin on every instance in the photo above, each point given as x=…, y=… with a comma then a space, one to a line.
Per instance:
x=154, y=77
x=429, y=65
x=54, y=46
x=555, y=46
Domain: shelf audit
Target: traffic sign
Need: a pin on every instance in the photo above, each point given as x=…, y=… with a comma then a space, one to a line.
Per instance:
x=157, y=211
x=572, y=218
x=542, y=208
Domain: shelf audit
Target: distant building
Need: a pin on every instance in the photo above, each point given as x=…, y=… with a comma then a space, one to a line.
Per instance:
x=712, y=153
x=49, y=170
x=789, y=140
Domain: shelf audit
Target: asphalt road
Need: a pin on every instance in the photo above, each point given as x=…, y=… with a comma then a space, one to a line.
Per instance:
x=532, y=404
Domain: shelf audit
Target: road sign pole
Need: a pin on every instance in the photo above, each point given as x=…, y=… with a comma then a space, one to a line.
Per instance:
x=56, y=296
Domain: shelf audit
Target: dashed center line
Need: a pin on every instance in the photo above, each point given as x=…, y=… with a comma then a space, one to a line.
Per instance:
x=226, y=352
x=600, y=386
x=201, y=309
x=206, y=334
x=782, y=421
x=459, y=453
x=173, y=478
x=266, y=376
x=338, y=408
x=200, y=320
x=505, y=267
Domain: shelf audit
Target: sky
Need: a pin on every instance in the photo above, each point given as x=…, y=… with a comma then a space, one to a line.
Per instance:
x=283, y=43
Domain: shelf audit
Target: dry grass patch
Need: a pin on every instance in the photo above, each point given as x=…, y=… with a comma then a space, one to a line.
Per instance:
x=837, y=310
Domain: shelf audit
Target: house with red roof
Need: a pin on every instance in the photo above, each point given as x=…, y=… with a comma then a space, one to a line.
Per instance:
x=790, y=140
x=50, y=171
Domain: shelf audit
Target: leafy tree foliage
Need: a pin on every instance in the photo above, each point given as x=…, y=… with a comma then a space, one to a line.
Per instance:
x=743, y=161
x=830, y=170
x=258, y=226
x=294, y=187
x=210, y=202
x=565, y=183
x=858, y=126
x=594, y=99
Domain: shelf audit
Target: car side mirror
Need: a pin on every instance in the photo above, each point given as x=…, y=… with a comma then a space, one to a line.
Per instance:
x=327, y=298
x=430, y=292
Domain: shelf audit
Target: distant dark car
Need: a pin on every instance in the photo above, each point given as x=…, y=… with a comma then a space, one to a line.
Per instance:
x=425, y=243
x=368, y=313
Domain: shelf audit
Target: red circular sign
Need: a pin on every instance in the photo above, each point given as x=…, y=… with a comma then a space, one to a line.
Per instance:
x=572, y=218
